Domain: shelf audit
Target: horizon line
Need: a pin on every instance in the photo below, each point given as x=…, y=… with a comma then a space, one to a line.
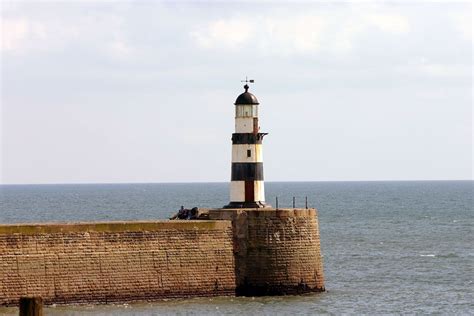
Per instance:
x=208, y=182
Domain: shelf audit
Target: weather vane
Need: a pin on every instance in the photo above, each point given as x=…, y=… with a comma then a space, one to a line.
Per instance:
x=247, y=80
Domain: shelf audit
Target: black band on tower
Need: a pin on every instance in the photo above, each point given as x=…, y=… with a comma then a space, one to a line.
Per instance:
x=242, y=171
x=247, y=138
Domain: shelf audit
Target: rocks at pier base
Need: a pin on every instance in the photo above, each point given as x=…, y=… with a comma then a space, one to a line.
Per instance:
x=277, y=251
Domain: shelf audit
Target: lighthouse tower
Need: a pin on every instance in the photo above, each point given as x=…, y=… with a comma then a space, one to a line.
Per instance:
x=246, y=187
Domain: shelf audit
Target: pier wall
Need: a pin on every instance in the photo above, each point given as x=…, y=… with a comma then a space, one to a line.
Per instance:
x=277, y=251
x=116, y=262
x=237, y=252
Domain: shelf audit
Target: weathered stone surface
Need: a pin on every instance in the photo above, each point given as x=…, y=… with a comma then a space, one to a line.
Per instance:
x=276, y=251
x=239, y=251
x=116, y=262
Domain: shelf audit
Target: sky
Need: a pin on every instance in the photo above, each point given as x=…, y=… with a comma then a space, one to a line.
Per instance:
x=125, y=92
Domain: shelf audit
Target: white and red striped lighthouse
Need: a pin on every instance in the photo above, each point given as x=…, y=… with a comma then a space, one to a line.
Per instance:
x=246, y=186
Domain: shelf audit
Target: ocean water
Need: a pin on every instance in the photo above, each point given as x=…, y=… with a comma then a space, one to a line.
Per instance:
x=389, y=247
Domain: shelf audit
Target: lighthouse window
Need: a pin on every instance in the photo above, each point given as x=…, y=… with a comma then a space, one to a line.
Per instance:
x=243, y=110
x=249, y=153
x=255, y=110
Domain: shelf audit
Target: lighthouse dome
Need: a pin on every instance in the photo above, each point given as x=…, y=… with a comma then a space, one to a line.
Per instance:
x=246, y=97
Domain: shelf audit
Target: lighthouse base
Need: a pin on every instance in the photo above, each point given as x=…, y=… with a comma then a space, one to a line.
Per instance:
x=276, y=251
x=252, y=204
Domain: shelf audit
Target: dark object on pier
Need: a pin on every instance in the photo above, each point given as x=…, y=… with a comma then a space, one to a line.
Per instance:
x=31, y=306
x=185, y=213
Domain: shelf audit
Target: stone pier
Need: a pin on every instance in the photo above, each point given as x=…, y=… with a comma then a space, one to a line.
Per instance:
x=277, y=251
x=235, y=252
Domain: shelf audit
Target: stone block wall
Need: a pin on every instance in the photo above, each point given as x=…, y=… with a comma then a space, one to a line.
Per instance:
x=277, y=251
x=237, y=252
x=116, y=262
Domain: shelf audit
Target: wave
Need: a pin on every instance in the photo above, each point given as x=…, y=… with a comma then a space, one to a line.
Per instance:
x=444, y=256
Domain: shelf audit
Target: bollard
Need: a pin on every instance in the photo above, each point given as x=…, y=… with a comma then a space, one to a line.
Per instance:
x=276, y=198
x=294, y=202
x=306, y=201
x=31, y=306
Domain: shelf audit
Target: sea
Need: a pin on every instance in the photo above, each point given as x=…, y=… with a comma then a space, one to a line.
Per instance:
x=389, y=248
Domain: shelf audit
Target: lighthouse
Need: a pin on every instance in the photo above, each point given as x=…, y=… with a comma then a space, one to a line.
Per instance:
x=247, y=186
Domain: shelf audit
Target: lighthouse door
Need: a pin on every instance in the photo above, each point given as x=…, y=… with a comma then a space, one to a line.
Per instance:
x=249, y=191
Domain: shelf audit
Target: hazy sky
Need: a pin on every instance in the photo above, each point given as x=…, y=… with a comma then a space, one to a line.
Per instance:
x=143, y=92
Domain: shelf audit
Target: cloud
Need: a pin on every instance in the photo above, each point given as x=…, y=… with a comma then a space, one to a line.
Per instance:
x=224, y=33
x=119, y=49
x=443, y=70
x=311, y=32
x=463, y=23
x=388, y=23
x=18, y=32
x=102, y=32
x=300, y=33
